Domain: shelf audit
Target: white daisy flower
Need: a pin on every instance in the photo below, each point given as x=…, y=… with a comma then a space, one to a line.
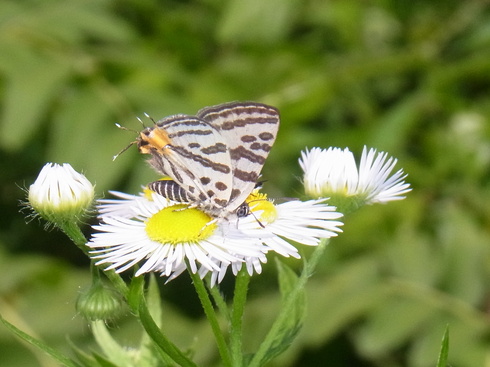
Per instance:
x=276, y=226
x=333, y=173
x=162, y=234
x=122, y=208
x=60, y=193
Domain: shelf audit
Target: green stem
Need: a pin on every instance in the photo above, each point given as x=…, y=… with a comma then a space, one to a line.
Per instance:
x=218, y=300
x=117, y=282
x=239, y=300
x=288, y=305
x=212, y=318
x=160, y=339
x=73, y=231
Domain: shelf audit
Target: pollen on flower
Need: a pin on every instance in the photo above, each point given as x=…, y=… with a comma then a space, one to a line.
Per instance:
x=259, y=202
x=147, y=193
x=179, y=224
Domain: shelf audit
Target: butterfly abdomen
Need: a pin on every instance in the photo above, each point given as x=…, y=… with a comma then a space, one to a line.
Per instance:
x=170, y=190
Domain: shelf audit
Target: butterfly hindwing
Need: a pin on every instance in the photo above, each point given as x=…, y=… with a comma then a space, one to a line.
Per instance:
x=250, y=129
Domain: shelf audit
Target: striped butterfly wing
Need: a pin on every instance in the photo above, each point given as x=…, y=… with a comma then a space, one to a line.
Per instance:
x=249, y=130
x=194, y=154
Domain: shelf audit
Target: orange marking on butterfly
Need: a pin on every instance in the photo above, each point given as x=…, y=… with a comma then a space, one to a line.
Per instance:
x=155, y=141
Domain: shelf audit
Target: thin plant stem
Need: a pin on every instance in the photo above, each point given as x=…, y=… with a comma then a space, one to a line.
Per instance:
x=218, y=299
x=212, y=318
x=73, y=231
x=117, y=282
x=160, y=339
x=288, y=305
x=239, y=300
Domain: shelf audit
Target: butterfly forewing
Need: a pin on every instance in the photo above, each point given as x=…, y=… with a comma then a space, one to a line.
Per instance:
x=249, y=129
x=194, y=154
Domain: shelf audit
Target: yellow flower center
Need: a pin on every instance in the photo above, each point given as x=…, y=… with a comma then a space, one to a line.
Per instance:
x=178, y=223
x=258, y=201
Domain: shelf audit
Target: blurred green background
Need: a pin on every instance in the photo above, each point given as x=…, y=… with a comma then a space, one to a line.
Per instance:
x=408, y=77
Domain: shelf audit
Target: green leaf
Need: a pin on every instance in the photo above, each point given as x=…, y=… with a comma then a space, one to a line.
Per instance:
x=33, y=82
x=344, y=296
x=103, y=362
x=56, y=355
x=160, y=339
x=257, y=20
x=84, y=358
x=391, y=130
x=153, y=300
x=116, y=353
x=288, y=281
x=442, y=360
x=378, y=334
x=93, y=360
x=84, y=123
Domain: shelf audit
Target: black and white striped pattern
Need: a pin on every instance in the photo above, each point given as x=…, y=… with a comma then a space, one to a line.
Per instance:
x=216, y=156
x=170, y=190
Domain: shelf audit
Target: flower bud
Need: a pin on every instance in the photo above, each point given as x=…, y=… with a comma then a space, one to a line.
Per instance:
x=60, y=194
x=99, y=303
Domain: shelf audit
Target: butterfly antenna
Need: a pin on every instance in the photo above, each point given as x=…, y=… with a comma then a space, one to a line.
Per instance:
x=123, y=150
x=129, y=145
x=119, y=126
x=257, y=219
x=151, y=118
x=250, y=212
x=141, y=122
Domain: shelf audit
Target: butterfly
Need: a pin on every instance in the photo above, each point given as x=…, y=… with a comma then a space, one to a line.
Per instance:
x=214, y=158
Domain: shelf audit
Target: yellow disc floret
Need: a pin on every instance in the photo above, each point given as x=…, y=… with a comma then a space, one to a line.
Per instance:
x=179, y=224
x=259, y=202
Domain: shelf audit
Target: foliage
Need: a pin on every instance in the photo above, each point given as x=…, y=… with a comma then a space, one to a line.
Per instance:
x=410, y=78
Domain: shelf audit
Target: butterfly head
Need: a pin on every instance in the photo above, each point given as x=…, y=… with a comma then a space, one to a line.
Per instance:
x=153, y=140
